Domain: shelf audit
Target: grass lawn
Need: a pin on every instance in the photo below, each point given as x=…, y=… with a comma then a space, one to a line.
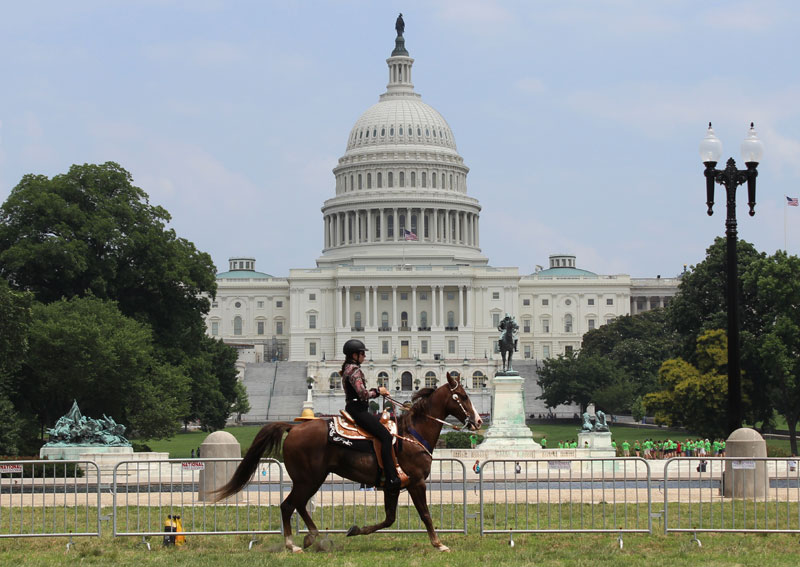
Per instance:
x=181, y=445
x=401, y=550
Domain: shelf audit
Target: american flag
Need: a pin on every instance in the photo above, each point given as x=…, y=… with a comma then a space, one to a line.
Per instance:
x=408, y=235
x=792, y=202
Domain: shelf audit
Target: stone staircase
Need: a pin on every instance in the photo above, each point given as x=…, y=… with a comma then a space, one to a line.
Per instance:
x=276, y=391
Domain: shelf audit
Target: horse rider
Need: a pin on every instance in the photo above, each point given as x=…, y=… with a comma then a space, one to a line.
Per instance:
x=357, y=396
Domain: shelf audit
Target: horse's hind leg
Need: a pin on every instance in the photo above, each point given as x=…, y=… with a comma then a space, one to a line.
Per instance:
x=390, y=505
x=297, y=500
x=417, y=493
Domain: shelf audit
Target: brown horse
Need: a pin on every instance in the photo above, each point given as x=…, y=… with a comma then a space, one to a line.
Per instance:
x=309, y=458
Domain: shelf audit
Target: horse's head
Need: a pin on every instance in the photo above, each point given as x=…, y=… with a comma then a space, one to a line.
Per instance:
x=459, y=405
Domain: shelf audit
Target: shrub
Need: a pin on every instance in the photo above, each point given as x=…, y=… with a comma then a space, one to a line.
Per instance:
x=458, y=440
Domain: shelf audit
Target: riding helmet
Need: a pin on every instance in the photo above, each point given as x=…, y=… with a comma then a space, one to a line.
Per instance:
x=353, y=346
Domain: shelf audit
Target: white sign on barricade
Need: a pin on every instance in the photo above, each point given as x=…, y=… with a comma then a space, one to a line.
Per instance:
x=10, y=469
x=193, y=466
x=746, y=465
x=558, y=465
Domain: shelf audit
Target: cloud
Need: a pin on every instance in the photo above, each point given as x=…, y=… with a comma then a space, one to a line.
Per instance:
x=530, y=85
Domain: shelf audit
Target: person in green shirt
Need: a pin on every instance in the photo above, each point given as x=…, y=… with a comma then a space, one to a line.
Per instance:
x=637, y=448
x=626, y=448
x=543, y=442
x=560, y=444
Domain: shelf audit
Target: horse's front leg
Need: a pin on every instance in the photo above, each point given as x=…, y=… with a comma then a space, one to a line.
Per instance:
x=390, y=504
x=418, y=496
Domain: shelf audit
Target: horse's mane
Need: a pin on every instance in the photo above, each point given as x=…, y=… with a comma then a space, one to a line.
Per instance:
x=420, y=404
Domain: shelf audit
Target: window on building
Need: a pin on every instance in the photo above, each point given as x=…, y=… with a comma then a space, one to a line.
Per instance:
x=404, y=296
x=278, y=327
x=384, y=347
x=610, y=301
x=238, y=304
x=369, y=181
x=610, y=320
x=451, y=319
x=450, y=296
x=214, y=328
x=495, y=295
x=279, y=304
x=335, y=381
x=357, y=296
x=527, y=351
x=384, y=320
x=545, y=325
x=424, y=179
x=545, y=351
x=526, y=302
x=545, y=302
x=591, y=301
x=237, y=325
x=404, y=318
x=260, y=304
x=526, y=325
x=312, y=296
x=312, y=349
x=423, y=296
x=390, y=179
x=430, y=379
x=312, y=321
x=357, y=320
x=402, y=179
x=359, y=181
x=423, y=346
x=423, y=319
x=451, y=346
x=380, y=180
x=413, y=178
x=590, y=324
x=383, y=379
x=567, y=323
x=568, y=350
x=214, y=304
x=478, y=379
x=260, y=327
x=495, y=319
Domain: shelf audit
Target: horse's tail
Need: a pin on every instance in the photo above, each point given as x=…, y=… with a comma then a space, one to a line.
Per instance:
x=267, y=441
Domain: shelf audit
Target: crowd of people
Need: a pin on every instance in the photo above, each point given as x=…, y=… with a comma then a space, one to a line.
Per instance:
x=668, y=448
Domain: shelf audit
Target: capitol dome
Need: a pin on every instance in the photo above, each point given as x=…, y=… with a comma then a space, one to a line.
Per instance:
x=401, y=186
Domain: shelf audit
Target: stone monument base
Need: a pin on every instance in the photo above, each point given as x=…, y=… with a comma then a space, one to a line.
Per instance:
x=78, y=452
x=508, y=431
x=597, y=443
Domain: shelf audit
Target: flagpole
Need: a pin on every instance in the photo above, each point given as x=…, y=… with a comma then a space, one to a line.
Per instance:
x=785, y=208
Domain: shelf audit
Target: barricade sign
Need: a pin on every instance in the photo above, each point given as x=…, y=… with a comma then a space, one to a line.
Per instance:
x=746, y=465
x=10, y=469
x=558, y=465
x=193, y=466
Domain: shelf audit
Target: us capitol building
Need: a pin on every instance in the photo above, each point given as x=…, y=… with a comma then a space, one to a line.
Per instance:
x=402, y=270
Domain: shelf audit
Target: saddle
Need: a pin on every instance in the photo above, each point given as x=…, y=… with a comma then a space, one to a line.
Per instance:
x=346, y=427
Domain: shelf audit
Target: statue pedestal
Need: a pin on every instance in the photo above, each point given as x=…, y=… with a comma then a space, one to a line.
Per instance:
x=78, y=452
x=597, y=443
x=508, y=430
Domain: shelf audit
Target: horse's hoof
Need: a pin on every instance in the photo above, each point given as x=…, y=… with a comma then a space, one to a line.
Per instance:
x=295, y=549
x=443, y=547
x=353, y=531
x=324, y=545
x=308, y=540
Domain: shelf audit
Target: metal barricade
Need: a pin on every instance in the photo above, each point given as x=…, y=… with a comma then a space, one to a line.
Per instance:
x=340, y=503
x=731, y=494
x=148, y=495
x=565, y=495
x=49, y=498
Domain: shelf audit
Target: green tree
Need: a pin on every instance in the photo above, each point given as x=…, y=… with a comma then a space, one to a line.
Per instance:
x=85, y=349
x=15, y=320
x=214, y=381
x=92, y=232
x=694, y=396
x=574, y=378
x=701, y=305
x=774, y=282
x=637, y=344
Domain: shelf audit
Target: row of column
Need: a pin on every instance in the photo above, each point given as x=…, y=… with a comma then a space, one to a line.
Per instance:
x=371, y=318
x=372, y=225
x=648, y=303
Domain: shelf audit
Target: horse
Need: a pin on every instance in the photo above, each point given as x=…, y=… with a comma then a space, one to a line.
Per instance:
x=309, y=458
x=507, y=344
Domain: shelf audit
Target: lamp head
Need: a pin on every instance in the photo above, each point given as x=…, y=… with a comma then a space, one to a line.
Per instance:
x=752, y=147
x=710, y=147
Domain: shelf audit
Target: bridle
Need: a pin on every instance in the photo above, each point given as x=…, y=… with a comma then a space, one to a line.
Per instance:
x=467, y=418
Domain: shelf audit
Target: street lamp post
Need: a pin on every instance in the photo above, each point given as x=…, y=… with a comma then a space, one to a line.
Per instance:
x=731, y=178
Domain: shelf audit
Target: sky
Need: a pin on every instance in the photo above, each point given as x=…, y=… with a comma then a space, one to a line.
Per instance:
x=579, y=120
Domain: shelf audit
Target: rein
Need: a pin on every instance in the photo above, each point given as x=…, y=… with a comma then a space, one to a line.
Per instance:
x=443, y=422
